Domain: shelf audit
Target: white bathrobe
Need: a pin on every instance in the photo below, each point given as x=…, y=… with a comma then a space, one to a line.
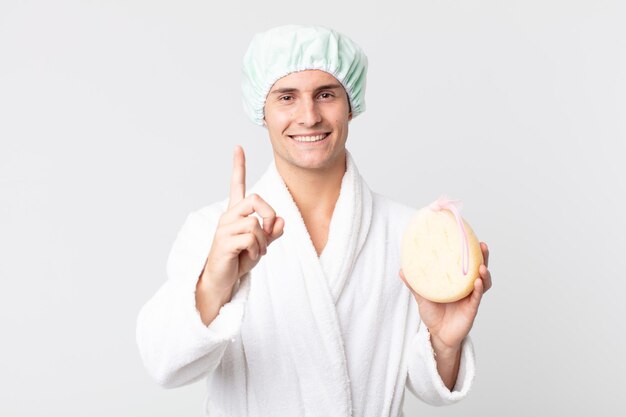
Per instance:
x=339, y=335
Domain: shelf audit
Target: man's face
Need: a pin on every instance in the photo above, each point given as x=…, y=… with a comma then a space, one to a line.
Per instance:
x=307, y=115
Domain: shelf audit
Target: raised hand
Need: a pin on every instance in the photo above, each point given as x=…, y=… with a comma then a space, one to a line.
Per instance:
x=239, y=242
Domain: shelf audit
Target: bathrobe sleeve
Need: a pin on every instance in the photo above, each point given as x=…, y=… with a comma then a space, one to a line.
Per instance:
x=423, y=379
x=174, y=344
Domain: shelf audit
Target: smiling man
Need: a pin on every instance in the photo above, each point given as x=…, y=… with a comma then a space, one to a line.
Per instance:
x=288, y=298
x=307, y=114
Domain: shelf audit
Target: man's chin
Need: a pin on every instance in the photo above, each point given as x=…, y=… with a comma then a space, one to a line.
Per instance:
x=313, y=163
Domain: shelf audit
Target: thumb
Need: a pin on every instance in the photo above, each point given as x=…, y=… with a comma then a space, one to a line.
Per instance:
x=277, y=230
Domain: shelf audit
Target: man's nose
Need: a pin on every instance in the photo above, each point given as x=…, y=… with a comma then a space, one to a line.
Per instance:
x=308, y=113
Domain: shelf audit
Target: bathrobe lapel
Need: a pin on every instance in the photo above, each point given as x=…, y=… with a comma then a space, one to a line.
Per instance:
x=348, y=229
x=301, y=293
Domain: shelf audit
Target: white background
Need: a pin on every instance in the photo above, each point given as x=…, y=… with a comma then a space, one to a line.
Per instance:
x=117, y=118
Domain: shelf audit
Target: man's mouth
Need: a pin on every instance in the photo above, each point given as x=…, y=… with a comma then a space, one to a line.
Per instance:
x=311, y=138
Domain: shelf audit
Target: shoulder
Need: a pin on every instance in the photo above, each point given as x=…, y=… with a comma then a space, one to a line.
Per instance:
x=194, y=239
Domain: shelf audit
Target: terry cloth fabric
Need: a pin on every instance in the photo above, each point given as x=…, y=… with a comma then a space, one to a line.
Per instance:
x=338, y=335
x=285, y=49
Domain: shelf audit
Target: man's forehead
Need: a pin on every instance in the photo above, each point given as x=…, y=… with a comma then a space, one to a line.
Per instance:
x=308, y=80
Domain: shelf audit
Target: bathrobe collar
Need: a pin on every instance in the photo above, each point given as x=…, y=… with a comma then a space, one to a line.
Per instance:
x=292, y=267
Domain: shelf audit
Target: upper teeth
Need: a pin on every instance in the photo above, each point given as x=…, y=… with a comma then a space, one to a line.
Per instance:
x=309, y=138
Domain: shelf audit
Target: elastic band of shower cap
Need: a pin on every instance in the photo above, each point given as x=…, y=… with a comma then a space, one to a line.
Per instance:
x=285, y=49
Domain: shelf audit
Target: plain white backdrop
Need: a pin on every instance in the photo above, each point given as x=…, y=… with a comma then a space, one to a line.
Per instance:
x=118, y=118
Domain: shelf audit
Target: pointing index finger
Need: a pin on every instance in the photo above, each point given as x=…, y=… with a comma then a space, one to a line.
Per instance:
x=238, y=179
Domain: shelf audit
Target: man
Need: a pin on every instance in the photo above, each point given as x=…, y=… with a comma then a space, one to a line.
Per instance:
x=290, y=300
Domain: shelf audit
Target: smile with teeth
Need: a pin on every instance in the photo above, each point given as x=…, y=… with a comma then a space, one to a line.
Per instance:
x=315, y=138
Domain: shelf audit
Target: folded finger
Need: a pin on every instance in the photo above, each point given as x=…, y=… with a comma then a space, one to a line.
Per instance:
x=247, y=242
x=477, y=294
x=247, y=225
x=486, y=277
x=485, y=250
x=253, y=204
x=277, y=230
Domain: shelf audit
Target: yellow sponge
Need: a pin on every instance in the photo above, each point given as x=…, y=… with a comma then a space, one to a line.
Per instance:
x=432, y=255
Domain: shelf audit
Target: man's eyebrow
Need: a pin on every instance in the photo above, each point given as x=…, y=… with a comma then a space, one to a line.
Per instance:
x=291, y=90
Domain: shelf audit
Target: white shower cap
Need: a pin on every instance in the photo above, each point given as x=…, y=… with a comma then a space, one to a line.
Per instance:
x=286, y=49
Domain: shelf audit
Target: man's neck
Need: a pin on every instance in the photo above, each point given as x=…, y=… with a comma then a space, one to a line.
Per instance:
x=315, y=193
x=314, y=190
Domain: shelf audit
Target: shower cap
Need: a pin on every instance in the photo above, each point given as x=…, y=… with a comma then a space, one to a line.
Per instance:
x=291, y=48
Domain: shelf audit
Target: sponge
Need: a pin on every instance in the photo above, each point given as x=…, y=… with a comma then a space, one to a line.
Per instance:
x=440, y=253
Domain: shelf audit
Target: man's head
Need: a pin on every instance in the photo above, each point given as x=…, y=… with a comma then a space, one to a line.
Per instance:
x=303, y=80
x=307, y=114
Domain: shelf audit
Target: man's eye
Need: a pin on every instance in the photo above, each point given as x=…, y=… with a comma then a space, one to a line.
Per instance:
x=286, y=98
x=325, y=95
